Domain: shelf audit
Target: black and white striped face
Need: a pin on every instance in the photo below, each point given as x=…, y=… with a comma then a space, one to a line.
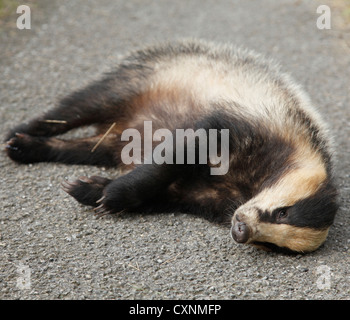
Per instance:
x=295, y=214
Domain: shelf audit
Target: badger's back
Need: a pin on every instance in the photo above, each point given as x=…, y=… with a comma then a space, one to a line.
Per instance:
x=183, y=81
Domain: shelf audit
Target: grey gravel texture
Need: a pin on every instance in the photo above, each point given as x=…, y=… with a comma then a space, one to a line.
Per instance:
x=51, y=247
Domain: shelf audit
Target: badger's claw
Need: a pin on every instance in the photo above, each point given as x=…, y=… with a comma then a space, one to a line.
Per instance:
x=68, y=186
x=102, y=210
x=101, y=199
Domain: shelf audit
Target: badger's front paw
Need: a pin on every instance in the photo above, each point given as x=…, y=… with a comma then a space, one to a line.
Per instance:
x=108, y=206
x=116, y=199
x=24, y=148
x=86, y=190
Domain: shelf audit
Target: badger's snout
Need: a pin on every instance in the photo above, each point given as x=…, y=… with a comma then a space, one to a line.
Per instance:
x=240, y=232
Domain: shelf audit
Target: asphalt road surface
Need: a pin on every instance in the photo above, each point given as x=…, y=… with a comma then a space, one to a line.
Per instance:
x=51, y=247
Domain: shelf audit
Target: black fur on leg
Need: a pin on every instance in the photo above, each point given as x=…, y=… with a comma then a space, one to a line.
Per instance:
x=86, y=106
x=24, y=148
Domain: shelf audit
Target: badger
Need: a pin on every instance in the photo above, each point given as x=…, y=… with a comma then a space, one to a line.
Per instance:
x=278, y=192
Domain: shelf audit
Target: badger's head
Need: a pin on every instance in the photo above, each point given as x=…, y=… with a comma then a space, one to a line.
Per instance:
x=294, y=213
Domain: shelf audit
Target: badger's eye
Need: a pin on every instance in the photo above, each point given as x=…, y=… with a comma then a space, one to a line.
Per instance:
x=282, y=213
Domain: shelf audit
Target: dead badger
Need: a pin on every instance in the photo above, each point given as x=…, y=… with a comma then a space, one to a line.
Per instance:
x=277, y=191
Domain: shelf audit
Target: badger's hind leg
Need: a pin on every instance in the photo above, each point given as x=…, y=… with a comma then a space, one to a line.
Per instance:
x=24, y=148
x=86, y=190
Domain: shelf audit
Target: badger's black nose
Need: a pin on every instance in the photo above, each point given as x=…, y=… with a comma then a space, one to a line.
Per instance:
x=240, y=232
